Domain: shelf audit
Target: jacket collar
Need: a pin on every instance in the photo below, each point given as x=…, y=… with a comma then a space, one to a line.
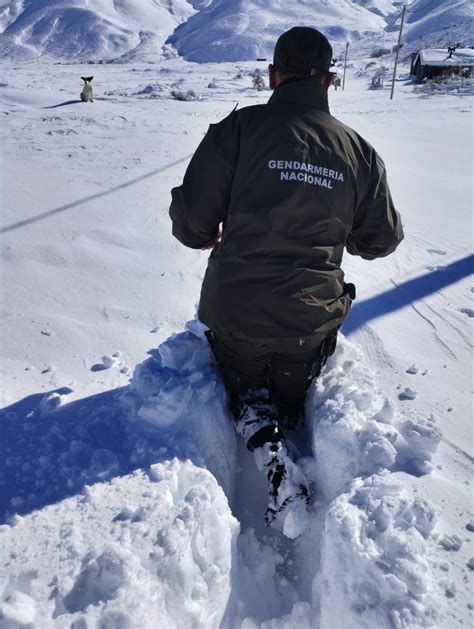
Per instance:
x=302, y=91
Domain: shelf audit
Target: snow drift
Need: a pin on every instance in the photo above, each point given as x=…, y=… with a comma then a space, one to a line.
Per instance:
x=153, y=549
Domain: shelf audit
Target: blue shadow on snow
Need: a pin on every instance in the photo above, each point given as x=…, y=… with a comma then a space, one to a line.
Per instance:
x=406, y=293
x=49, y=455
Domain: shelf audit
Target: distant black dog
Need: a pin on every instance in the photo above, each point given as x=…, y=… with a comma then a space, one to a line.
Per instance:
x=87, y=94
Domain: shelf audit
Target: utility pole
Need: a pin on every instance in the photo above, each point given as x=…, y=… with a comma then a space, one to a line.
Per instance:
x=345, y=65
x=398, y=49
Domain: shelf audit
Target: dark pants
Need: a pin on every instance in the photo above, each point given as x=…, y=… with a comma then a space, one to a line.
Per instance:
x=250, y=366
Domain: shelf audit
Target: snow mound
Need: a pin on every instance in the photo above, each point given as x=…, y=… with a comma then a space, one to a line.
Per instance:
x=377, y=535
x=176, y=398
x=452, y=86
x=374, y=566
x=356, y=425
x=153, y=549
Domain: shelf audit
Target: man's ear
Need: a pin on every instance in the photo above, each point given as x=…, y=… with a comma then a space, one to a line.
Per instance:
x=272, y=76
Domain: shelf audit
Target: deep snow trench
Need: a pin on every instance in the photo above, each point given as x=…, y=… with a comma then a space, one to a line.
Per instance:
x=142, y=499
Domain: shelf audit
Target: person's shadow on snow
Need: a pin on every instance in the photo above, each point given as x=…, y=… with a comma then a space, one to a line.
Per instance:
x=407, y=293
x=174, y=407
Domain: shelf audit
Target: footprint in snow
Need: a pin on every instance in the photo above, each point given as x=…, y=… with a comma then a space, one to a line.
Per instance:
x=435, y=268
x=438, y=252
x=451, y=542
x=50, y=402
x=407, y=394
x=62, y=132
x=467, y=311
x=99, y=367
x=413, y=369
x=450, y=591
x=108, y=361
x=99, y=581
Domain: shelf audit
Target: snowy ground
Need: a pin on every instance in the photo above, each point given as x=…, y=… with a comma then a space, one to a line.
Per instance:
x=137, y=505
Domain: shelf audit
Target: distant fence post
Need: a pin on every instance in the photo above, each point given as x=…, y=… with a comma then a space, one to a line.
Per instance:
x=345, y=66
x=398, y=48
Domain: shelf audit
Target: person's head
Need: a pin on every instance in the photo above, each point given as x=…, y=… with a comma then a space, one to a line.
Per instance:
x=301, y=52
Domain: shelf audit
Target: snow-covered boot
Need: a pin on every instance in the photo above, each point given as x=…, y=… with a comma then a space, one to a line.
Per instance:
x=258, y=419
x=288, y=489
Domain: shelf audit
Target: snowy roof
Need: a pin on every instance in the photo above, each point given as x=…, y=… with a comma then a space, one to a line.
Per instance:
x=440, y=57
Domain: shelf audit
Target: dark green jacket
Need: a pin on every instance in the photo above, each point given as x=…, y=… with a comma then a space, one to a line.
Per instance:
x=292, y=187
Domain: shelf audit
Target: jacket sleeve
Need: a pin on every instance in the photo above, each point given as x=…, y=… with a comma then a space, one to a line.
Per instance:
x=200, y=204
x=377, y=228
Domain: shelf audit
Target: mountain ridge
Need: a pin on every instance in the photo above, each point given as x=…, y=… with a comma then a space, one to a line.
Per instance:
x=211, y=30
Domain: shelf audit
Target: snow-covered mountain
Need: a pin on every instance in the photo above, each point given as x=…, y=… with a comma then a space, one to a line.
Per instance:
x=79, y=30
x=247, y=29
x=208, y=30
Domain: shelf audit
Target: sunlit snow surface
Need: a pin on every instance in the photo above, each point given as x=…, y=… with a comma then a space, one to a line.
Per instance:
x=138, y=506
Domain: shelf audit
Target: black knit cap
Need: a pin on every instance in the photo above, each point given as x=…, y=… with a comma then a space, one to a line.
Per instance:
x=302, y=51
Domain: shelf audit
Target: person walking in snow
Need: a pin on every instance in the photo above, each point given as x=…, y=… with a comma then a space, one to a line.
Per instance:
x=277, y=191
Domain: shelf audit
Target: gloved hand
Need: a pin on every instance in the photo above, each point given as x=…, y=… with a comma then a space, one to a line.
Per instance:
x=213, y=242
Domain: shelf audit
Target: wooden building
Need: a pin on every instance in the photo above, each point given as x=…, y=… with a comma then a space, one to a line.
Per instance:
x=436, y=62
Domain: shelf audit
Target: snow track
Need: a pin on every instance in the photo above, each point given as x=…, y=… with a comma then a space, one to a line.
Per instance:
x=163, y=537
